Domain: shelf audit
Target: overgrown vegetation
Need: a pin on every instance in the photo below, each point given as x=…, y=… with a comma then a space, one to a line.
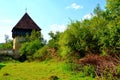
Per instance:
x=32, y=44
x=88, y=48
x=86, y=43
x=7, y=45
x=98, y=35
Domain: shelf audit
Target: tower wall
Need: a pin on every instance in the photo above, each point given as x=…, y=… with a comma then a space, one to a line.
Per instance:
x=19, y=31
x=17, y=42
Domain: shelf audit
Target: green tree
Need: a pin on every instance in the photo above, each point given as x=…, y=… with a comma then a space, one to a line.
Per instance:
x=113, y=7
x=8, y=43
x=53, y=42
x=50, y=49
x=98, y=11
x=32, y=44
x=71, y=39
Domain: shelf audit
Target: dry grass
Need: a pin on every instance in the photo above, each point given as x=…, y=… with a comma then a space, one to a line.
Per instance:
x=104, y=64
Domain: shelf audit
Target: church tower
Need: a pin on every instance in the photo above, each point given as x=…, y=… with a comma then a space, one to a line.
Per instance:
x=25, y=26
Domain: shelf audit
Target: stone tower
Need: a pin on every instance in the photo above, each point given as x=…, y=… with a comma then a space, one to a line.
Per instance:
x=19, y=31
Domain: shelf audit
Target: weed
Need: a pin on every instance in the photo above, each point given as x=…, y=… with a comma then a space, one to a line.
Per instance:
x=88, y=70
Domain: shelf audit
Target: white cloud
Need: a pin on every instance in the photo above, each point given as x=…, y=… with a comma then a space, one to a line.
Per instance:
x=56, y=27
x=74, y=6
x=87, y=16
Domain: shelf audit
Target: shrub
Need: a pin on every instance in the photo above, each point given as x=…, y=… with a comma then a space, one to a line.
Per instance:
x=42, y=53
x=32, y=44
x=69, y=66
x=89, y=70
x=100, y=34
x=118, y=70
x=79, y=37
x=53, y=42
x=8, y=45
x=29, y=48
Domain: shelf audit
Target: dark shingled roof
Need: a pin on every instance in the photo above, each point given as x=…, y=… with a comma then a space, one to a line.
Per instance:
x=26, y=23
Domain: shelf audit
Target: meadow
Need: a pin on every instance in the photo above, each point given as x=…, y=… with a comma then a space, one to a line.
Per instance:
x=46, y=70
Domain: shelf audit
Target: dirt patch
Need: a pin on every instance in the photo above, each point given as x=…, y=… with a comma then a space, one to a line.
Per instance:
x=6, y=74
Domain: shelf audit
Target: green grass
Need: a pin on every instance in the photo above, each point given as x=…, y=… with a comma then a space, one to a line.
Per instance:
x=39, y=71
x=2, y=65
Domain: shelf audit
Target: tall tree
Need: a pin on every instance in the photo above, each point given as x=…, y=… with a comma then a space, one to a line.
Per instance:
x=98, y=10
x=33, y=43
x=113, y=7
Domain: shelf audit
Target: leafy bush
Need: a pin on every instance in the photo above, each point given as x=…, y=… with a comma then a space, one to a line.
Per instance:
x=78, y=38
x=29, y=48
x=89, y=70
x=32, y=44
x=8, y=45
x=42, y=53
x=118, y=70
x=96, y=35
x=100, y=34
x=69, y=66
x=53, y=42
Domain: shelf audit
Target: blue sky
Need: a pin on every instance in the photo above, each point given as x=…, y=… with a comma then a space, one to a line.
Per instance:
x=50, y=15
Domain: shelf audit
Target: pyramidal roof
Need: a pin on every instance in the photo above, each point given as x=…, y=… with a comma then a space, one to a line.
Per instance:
x=26, y=23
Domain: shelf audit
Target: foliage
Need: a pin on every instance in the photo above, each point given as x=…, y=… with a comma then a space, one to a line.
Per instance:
x=64, y=49
x=113, y=7
x=29, y=48
x=100, y=34
x=89, y=70
x=42, y=53
x=78, y=37
x=53, y=42
x=32, y=44
x=7, y=45
x=98, y=11
x=70, y=66
x=118, y=70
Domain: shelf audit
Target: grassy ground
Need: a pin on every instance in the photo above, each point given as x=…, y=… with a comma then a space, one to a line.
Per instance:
x=39, y=71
